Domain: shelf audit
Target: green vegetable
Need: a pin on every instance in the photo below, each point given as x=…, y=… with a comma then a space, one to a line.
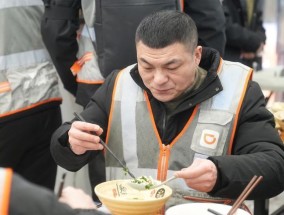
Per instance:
x=148, y=181
x=125, y=171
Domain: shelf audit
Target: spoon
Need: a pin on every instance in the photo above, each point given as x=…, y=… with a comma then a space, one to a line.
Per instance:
x=165, y=182
x=147, y=185
x=126, y=170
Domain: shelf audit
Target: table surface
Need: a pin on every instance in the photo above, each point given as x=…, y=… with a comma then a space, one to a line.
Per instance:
x=270, y=79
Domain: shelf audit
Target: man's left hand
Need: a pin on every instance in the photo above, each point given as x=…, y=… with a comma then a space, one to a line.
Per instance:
x=201, y=175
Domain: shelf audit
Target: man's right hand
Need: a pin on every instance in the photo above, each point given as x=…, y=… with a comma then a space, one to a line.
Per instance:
x=84, y=136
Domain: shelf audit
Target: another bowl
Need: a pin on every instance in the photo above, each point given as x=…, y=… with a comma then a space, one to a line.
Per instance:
x=202, y=209
x=121, y=199
x=279, y=119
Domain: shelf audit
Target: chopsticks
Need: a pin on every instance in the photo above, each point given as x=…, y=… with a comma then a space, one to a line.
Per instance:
x=61, y=185
x=251, y=185
x=79, y=117
x=213, y=211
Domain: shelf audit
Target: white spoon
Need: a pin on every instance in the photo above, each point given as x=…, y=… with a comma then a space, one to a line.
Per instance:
x=147, y=185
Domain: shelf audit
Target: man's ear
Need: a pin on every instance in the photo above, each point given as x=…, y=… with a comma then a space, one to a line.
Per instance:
x=197, y=54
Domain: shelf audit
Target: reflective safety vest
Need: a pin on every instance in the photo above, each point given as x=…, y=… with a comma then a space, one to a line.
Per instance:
x=27, y=77
x=5, y=189
x=86, y=67
x=210, y=130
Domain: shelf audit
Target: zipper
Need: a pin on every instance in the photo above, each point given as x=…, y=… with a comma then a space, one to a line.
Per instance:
x=163, y=162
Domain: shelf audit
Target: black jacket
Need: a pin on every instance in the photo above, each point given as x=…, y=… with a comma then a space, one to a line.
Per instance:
x=242, y=36
x=257, y=148
x=210, y=20
x=31, y=199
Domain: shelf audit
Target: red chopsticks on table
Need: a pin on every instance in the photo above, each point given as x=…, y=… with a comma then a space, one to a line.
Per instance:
x=251, y=185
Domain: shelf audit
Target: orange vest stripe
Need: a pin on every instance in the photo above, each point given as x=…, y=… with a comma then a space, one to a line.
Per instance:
x=30, y=107
x=152, y=119
x=182, y=5
x=4, y=207
x=249, y=77
x=5, y=87
x=220, y=65
x=88, y=82
x=77, y=66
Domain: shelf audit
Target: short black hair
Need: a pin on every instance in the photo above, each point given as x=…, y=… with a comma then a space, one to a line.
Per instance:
x=164, y=28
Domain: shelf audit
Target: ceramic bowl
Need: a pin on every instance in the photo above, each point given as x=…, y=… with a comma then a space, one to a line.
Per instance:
x=121, y=199
x=202, y=209
x=279, y=119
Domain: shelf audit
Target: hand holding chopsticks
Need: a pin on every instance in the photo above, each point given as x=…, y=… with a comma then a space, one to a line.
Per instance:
x=251, y=185
x=79, y=117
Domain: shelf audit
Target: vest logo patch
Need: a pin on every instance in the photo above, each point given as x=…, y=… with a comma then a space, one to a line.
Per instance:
x=209, y=139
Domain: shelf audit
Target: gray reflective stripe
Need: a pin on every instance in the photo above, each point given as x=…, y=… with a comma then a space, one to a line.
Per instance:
x=21, y=30
x=89, y=33
x=90, y=70
x=25, y=83
x=23, y=59
x=19, y=3
x=128, y=122
x=92, y=34
x=89, y=11
x=231, y=81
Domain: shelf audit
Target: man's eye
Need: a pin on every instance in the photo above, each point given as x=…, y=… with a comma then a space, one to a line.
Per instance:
x=148, y=68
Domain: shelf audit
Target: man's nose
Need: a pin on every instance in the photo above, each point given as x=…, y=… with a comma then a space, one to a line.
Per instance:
x=160, y=77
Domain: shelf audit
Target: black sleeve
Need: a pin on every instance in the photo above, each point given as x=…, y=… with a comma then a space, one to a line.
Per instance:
x=58, y=27
x=28, y=198
x=257, y=150
x=61, y=152
x=97, y=111
x=238, y=35
x=210, y=21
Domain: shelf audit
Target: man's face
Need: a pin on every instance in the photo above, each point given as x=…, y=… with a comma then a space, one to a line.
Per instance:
x=169, y=71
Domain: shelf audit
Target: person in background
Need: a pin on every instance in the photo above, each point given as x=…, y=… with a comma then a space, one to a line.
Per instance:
x=181, y=107
x=29, y=94
x=210, y=21
x=244, y=31
x=19, y=196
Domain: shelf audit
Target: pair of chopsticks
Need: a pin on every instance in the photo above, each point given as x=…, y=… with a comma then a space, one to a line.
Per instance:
x=251, y=185
x=79, y=117
x=61, y=185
